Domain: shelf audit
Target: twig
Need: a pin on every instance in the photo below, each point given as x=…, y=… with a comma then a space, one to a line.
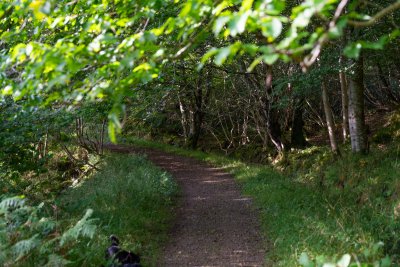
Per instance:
x=387, y=10
x=71, y=156
x=316, y=51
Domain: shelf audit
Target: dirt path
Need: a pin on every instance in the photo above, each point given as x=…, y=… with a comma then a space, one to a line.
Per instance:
x=215, y=225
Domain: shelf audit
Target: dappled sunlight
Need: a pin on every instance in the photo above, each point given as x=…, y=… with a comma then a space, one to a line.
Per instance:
x=219, y=181
x=245, y=199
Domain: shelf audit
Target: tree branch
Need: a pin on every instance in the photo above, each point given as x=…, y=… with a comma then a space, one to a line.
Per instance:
x=316, y=51
x=387, y=10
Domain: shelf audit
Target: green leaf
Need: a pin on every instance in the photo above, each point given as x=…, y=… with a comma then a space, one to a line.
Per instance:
x=302, y=19
x=353, y=50
x=209, y=54
x=237, y=25
x=186, y=9
x=247, y=4
x=222, y=55
x=254, y=64
x=380, y=44
x=252, y=49
x=220, y=7
x=394, y=34
x=220, y=23
x=270, y=58
x=271, y=29
x=337, y=31
x=111, y=132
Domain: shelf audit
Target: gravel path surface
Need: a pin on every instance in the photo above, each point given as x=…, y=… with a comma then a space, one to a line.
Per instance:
x=215, y=225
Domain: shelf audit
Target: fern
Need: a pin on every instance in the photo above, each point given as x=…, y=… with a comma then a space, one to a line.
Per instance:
x=12, y=203
x=24, y=247
x=56, y=260
x=28, y=238
x=3, y=257
x=85, y=227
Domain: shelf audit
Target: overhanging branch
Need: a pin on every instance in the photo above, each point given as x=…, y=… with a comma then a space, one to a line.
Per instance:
x=387, y=10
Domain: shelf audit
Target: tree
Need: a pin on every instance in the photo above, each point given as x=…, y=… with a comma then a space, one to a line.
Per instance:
x=329, y=119
x=358, y=133
x=66, y=52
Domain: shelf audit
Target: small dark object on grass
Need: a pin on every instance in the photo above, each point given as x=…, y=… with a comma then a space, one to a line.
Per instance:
x=120, y=257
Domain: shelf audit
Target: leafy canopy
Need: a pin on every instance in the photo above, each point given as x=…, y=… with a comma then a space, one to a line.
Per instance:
x=64, y=52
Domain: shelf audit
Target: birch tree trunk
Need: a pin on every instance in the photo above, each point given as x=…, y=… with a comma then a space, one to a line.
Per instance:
x=345, y=105
x=358, y=134
x=329, y=120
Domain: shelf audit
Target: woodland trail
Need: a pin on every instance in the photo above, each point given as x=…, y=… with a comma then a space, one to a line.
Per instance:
x=215, y=225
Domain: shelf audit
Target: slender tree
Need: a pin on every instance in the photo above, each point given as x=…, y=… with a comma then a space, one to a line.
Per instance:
x=358, y=134
x=329, y=119
x=345, y=105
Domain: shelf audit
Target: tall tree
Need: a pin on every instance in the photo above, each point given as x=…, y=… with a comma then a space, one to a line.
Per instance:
x=329, y=119
x=358, y=134
x=345, y=105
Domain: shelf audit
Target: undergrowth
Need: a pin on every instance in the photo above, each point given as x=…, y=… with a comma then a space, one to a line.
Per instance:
x=316, y=208
x=128, y=197
x=131, y=199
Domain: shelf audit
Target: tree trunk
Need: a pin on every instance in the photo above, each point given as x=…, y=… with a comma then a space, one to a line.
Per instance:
x=244, y=139
x=201, y=95
x=345, y=105
x=297, y=139
x=329, y=120
x=272, y=117
x=358, y=134
x=196, y=128
x=184, y=119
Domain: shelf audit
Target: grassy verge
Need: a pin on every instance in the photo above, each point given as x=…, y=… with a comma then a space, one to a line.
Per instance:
x=131, y=199
x=320, y=205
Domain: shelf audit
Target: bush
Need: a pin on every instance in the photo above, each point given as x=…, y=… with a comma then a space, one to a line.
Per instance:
x=29, y=237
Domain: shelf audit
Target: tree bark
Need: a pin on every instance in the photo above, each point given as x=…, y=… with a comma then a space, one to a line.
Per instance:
x=184, y=119
x=345, y=105
x=329, y=120
x=358, y=134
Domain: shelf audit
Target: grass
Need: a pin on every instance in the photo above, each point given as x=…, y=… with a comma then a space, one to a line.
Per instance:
x=320, y=205
x=132, y=199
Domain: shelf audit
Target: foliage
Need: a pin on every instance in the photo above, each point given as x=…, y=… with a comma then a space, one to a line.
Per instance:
x=230, y=71
x=21, y=130
x=133, y=204
x=35, y=147
x=66, y=52
x=390, y=132
x=131, y=199
x=29, y=237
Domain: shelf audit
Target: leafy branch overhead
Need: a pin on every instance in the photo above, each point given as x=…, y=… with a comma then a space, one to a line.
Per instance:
x=69, y=51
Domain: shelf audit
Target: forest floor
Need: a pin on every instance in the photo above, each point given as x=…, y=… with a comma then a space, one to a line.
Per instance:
x=215, y=225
